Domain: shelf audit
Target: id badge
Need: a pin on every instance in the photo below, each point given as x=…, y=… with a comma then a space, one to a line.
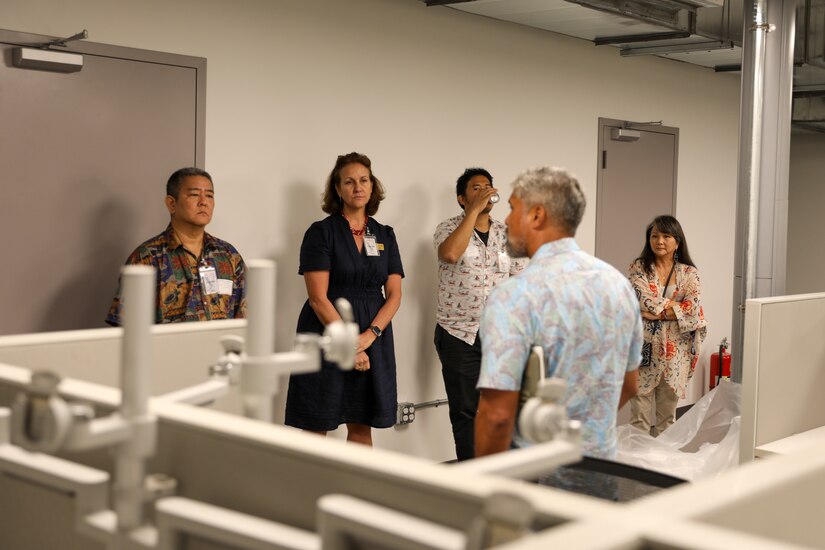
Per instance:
x=209, y=279
x=370, y=245
x=503, y=262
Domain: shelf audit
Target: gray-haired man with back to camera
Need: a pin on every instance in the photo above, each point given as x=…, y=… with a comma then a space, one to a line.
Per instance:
x=580, y=310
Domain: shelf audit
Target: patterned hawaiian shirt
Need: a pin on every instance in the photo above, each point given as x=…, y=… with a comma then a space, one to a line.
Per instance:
x=585, y=315
x=180, y=294
x=463, y=287
x=675, y=345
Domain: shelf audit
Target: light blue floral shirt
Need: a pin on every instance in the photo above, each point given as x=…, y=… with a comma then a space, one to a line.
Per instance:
x=585, y=315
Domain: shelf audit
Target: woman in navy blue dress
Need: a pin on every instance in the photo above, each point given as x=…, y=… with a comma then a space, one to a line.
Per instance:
x=350, y=255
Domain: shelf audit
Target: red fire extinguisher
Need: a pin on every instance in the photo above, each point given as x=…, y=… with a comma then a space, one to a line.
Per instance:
x=720, y=364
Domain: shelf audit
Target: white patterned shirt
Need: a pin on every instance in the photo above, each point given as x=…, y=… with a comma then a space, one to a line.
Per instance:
x=463, y=287
x=585, y=315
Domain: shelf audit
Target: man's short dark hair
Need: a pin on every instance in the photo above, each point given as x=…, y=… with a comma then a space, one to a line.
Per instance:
x=470, y=173
x=175, y=181
x=464, y=179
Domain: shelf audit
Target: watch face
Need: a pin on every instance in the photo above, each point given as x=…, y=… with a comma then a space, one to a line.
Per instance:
x=376, y=330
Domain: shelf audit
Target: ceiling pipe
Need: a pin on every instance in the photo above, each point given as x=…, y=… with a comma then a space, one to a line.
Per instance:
x=631, y=38
x=676, y=48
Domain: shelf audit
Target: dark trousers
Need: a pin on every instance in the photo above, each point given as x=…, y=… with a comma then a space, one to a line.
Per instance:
x=460, y=365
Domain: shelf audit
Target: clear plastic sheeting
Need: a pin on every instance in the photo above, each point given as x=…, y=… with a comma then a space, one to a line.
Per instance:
x=703, y=443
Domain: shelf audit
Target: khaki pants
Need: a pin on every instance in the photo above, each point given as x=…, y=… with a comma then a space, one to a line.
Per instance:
x=663, y=399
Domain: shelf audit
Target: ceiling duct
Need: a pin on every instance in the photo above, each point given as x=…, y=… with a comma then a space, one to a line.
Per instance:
x=707, y=33
x=703, y=32
x=716, y=32
x=679, y=16
x=809, y=112
x=810, y=41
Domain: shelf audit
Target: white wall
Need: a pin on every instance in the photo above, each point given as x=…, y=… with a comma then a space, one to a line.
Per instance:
x=424, y=92
x=806, y=200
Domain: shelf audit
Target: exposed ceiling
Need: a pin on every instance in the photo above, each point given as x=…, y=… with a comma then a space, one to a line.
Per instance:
x=666, y=29
x=707, y=33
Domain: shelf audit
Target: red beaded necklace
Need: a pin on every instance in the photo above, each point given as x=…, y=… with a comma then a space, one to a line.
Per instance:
x=357, y=232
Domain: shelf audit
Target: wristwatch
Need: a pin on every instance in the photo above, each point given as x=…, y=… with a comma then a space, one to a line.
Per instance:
x=375, y=330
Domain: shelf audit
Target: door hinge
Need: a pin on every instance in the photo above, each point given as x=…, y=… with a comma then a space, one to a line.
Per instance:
x=604, y=159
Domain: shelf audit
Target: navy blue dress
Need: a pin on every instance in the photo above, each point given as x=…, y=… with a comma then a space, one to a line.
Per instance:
x=321, y=401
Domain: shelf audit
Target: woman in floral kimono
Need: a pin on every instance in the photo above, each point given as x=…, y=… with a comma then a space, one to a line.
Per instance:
x=667, y=284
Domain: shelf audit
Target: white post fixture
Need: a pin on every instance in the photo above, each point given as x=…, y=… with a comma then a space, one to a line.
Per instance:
x=259, y=382
x=261, y=366
x=138, y=315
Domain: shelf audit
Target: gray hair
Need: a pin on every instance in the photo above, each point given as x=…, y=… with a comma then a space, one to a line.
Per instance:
x=557, y=191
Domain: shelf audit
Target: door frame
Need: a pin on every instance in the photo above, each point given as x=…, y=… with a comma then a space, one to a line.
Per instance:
x=16, y=38
x=646, y=127
x=93, y=257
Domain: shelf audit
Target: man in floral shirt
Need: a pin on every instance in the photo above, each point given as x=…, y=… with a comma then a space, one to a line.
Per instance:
x=471, y=260
x=580, y=310
x=199, y=277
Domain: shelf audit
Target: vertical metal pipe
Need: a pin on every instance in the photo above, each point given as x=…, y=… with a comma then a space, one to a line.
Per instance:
x=762, y=208
x=750, y=152
x=258, y=383
x=755, y=160
x=781, y=57
x=138, y=316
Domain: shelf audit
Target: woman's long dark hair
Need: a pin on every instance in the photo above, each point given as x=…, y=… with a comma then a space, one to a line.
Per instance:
x=671, y=226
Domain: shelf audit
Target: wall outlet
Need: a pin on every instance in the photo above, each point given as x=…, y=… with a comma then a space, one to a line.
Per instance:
x=406, y=413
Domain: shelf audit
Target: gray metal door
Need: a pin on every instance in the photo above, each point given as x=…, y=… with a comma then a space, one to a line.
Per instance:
x=84, y=158
x=636, y=183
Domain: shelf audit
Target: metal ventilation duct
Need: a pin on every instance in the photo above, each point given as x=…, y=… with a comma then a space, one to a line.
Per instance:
x=809, y=113
x=701, y=32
